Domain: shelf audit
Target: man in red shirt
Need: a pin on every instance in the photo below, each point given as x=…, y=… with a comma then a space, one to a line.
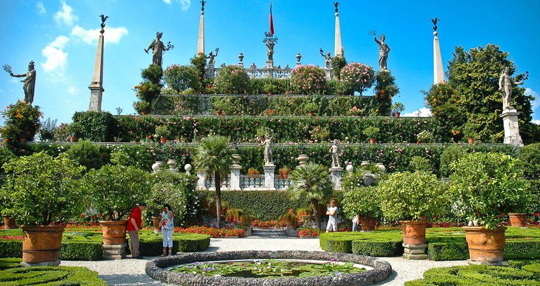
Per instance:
x=133, y=227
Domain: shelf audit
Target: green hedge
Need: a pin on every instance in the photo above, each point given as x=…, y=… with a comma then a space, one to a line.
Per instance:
x=259, y=105
x=151, y=244
x=264, y=205
x=96, y=126
x=476, y=275
x=377, y=248
x=86, y=251
x=7, y=263
x=50, y=276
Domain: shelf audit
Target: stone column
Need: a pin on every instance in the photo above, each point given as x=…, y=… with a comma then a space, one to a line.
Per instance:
x=200, y=44
x=96, y=87
x=269, y=175
x=338, y=48
x=437, y=60
x=335, y=176
x=201, y=180
x=235, y=173
x=511, y=127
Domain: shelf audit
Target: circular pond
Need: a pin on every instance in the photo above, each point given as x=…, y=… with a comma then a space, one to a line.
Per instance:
x=269, y=268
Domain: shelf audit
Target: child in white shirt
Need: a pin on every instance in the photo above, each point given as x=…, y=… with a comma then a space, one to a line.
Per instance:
x=332, y=219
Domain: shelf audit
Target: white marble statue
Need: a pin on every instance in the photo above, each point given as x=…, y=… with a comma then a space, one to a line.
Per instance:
x=505, y=86
x=267, y=143
x=336, y=152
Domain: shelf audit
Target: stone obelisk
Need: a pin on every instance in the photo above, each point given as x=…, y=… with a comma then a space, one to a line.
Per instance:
x=96, y=87
x=437, y=60
x=200, y=45
x=338, y=48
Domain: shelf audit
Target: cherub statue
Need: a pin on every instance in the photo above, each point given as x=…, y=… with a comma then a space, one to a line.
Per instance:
x=336, y=153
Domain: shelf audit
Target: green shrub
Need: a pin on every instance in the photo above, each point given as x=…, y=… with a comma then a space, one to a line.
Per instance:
x=530, y=156
x=488, y=184
x=149, y=89
x=412, y=196
x=87, y=154
x=475, y=275
x=96, y=126
x=341, y=245
x=356, y=77
x=21, y=124
x=448, y=251
x=534, y=268
x=308, y=80
x=115, y=190
x=10, y=248
x=40, y=189
x=50, y=276
x=377, y=248
x=338, y=63
x=151, y=244
x=232, y=80
x=421, y=164
x=450, y=155
x=5, y=156
x=362, y=201
x=181, y=78
x=385, y=90
x=86, y=251
x=7, y=263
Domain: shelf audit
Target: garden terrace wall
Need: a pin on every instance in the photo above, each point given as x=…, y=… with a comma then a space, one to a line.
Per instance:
x=396, y=157
x=280, y=105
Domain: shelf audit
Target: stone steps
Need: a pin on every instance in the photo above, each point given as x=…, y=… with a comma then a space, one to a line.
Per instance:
x=268, y=233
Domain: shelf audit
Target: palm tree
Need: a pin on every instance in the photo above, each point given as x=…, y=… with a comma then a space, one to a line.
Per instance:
x=311, y=181
x=214, y=156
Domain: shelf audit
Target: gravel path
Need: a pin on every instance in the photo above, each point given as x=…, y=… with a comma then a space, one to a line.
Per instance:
x=131, y=271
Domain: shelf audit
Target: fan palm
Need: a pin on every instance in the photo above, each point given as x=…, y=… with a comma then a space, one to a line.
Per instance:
x=311, y=181
x=214, y=156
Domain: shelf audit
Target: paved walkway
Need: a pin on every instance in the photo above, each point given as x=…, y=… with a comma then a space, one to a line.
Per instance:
x=131, y=271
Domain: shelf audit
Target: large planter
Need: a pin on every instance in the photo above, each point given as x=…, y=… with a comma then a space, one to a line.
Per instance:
x=518, y=220
x=9, y=223
x=41, y=245
x=372, y=140
x=156, y=224
x=114, y=232
x=485, y=246
x=368, y=224
x=414, y=232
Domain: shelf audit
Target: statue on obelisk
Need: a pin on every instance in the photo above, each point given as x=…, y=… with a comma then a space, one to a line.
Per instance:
x=437, y=60
x=29, y=81
x=327, y=58
x=96, y=86
x=201, y=42
x=158, y=49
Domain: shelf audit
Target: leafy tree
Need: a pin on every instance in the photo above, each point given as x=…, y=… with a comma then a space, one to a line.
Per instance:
x=449, y=113
x=86, y=154
x=21, y=125
x=181, y=78
x=311, y=181
x=149, y=89
x=198, y=62
x=385, y=90
x=232, y=79
x=214, y=156
x=338, y=63
x=474, y=77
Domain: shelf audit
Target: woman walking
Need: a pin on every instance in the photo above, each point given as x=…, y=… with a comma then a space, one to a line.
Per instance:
x=167, y=228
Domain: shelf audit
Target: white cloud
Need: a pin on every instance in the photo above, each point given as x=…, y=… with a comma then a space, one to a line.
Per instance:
x=65, y=16
x=185, y=4
x=72, y=90
x=40, y=8
x=112, y=35
x=167, y=1
x=422, y=112
x=536, y=101
x=537, y=121
x=56, y=58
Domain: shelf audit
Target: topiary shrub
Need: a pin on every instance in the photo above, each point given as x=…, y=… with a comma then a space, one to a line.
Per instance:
x=87, y=154
x=412, y=196
x=356, y=77
x=362, y=201
x=338, y=63
x=85, y=251
x=308, y=80
x=385, y=90
x=96, y=126
x=232, y=80
x=21, y=124
x=421, y=164
x=149, y=89
x=486, y=185
x=378, y=248
x=44, y=275
x=450, y=155
x=180, y=78
x=198, y=62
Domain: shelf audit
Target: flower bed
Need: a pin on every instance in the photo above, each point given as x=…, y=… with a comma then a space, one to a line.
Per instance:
x=212, y=231
x=308, y=232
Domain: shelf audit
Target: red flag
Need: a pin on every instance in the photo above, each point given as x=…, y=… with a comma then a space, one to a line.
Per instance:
x=271, y=20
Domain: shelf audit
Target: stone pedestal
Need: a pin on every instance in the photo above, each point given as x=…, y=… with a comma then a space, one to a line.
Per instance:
x=269, y=177
x=335, y=176
x=302, y=159
x=49, y=263
x=235, y=177
x=498, y=263
x=114, y=252
x=201, y=180
x=328, y=72
x=269, y=64
x=511, y=127
x=210, y=70
x=415, y=251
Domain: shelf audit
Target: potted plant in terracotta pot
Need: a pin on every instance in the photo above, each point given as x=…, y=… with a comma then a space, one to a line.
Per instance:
x=114, y=191
x=42, y=193
x=371, y=133
x=485, y=187
x=162, y=132
x=362, y=201
x=397, y=108
x=412, y=198
x=311, y=108
x=470, y=131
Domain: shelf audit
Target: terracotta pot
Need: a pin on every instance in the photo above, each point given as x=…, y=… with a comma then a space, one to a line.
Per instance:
x=219, y=113
x=518, y=220
x=398, y=114
x=485, y=246
x=72, y=139
x=156, y=224
x=163, y=140
x=372, y=140
x=471, y=140
x=114, y=232
x=368, y=224
x=144, y=112
x=9, y=223
x=414, y=232
x=42, y=244
x=311, y=113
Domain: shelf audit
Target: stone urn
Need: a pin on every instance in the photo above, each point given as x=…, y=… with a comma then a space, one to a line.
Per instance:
x=486, y=247
x=380, y=167
x=302, y=159
x=172, y=164
x=41, y=245
x=157, y=166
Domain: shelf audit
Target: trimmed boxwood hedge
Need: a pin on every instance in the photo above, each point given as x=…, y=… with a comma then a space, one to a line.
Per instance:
x=377, y=248
x=151, y=244
x=50, y=276
x=96, y=126
x=86, y=251
x=476, y=275
x=7, y=263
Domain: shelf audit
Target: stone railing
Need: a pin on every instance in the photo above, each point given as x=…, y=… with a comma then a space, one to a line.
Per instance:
x=267, y=72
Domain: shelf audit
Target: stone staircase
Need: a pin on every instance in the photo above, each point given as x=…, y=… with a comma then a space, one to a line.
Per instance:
x=268, y=233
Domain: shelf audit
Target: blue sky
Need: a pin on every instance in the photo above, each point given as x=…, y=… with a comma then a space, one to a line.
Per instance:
x=60, y=36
